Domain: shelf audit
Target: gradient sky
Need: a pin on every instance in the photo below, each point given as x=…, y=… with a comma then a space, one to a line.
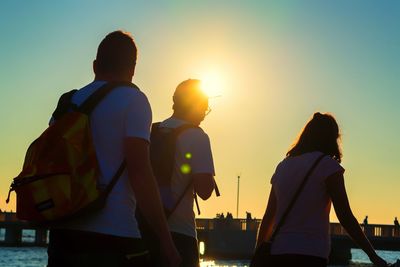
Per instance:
x=277, y=62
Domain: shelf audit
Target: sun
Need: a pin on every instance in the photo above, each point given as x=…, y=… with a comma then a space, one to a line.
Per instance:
x=212, y=83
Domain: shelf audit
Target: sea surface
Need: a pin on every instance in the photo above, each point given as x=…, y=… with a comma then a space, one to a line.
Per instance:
x=37, y=257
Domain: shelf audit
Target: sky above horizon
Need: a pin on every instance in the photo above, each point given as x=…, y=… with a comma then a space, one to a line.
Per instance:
x=275, y=63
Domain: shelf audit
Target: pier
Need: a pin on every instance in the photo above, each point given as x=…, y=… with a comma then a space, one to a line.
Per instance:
x=235, y=239
x=222, y=238
x=12, y=230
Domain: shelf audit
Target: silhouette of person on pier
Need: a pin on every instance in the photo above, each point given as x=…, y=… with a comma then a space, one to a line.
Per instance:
x=248, y=215
x=220, y=216
x=396, y=226
x=365, y=222
x=368, y=229
x=303, y=239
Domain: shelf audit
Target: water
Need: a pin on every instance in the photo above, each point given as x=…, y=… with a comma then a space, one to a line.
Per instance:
x=37, y=257
x=23, y=257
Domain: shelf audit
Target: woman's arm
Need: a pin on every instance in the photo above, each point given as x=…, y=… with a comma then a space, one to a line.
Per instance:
x=267, y=223
x=337, y=192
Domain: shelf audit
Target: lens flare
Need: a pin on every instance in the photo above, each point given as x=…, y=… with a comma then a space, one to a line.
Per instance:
x=185, y=168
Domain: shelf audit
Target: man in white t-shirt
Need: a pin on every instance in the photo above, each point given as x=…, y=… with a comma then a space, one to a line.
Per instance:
x=193, y=170
x=120, y=126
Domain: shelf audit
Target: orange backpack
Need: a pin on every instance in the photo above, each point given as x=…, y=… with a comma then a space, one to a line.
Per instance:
x=60, y=176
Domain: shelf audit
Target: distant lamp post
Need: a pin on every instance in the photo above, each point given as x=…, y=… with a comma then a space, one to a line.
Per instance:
x=237, y=199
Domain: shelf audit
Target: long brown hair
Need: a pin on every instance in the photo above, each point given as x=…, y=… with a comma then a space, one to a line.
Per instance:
x=321, y=133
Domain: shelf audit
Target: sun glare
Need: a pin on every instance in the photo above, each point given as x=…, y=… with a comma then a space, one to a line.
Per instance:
x=212, y=84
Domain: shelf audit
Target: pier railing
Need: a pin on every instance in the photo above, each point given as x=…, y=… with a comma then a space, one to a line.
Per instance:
x=227, y=224
x=19, y=233
x=371, y=230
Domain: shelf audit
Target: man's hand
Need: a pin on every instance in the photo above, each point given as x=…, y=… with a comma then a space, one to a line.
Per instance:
x=204, y=184
x=147, y=195
x=171, y=254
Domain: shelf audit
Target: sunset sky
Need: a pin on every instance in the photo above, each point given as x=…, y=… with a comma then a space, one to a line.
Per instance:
x=274, y=63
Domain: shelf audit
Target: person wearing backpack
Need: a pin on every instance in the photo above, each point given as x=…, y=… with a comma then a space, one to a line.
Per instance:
x=183, y=165
x=295, y=228
x=120, y=125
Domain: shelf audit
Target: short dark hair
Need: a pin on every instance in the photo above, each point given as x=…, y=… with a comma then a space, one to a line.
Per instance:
x=321, y=133
x=187, y=94
x=117, y=52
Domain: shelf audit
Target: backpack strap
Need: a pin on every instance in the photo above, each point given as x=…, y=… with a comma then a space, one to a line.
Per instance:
x=178, y=131
x=171, y=153
x=167, y=153
x=296, y=195
x=87, y=107
x=94, y=99
x=64, y=104
x=111, y=184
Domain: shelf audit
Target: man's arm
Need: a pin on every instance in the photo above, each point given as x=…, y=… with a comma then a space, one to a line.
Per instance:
x=204, y=184
x=202, y=165
x=147, y=194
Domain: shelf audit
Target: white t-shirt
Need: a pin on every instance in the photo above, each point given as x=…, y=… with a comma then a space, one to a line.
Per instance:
x=124, y=112
x=197, y=144
x=306, y=228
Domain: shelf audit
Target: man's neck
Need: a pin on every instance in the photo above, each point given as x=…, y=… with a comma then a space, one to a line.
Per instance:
x=113, y=78
x=183, y=118
x=179, y=117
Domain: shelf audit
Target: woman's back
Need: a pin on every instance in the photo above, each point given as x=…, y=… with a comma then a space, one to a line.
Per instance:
x=306, y=228
x=304, y=235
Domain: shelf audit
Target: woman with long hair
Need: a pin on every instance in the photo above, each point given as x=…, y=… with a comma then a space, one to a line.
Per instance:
x=303, y=238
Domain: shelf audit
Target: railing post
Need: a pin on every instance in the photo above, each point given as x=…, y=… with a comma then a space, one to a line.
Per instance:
x=40, y=237
x=387, y=231
x=340, y=250
x=13, y=235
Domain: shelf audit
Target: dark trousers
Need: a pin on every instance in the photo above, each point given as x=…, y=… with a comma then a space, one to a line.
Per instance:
x=186, y=246
x=77, y=248
x=188, y=249
x=286, y=260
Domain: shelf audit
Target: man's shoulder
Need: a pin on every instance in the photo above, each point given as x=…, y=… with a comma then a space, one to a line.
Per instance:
x=123, y=95
x=195, y=136
x=125, y=90
x=195, y=131
x=130, y=91
x=185, y=128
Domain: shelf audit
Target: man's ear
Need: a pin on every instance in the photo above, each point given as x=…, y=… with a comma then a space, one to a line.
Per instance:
x=94, y=66
x=132, y=71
